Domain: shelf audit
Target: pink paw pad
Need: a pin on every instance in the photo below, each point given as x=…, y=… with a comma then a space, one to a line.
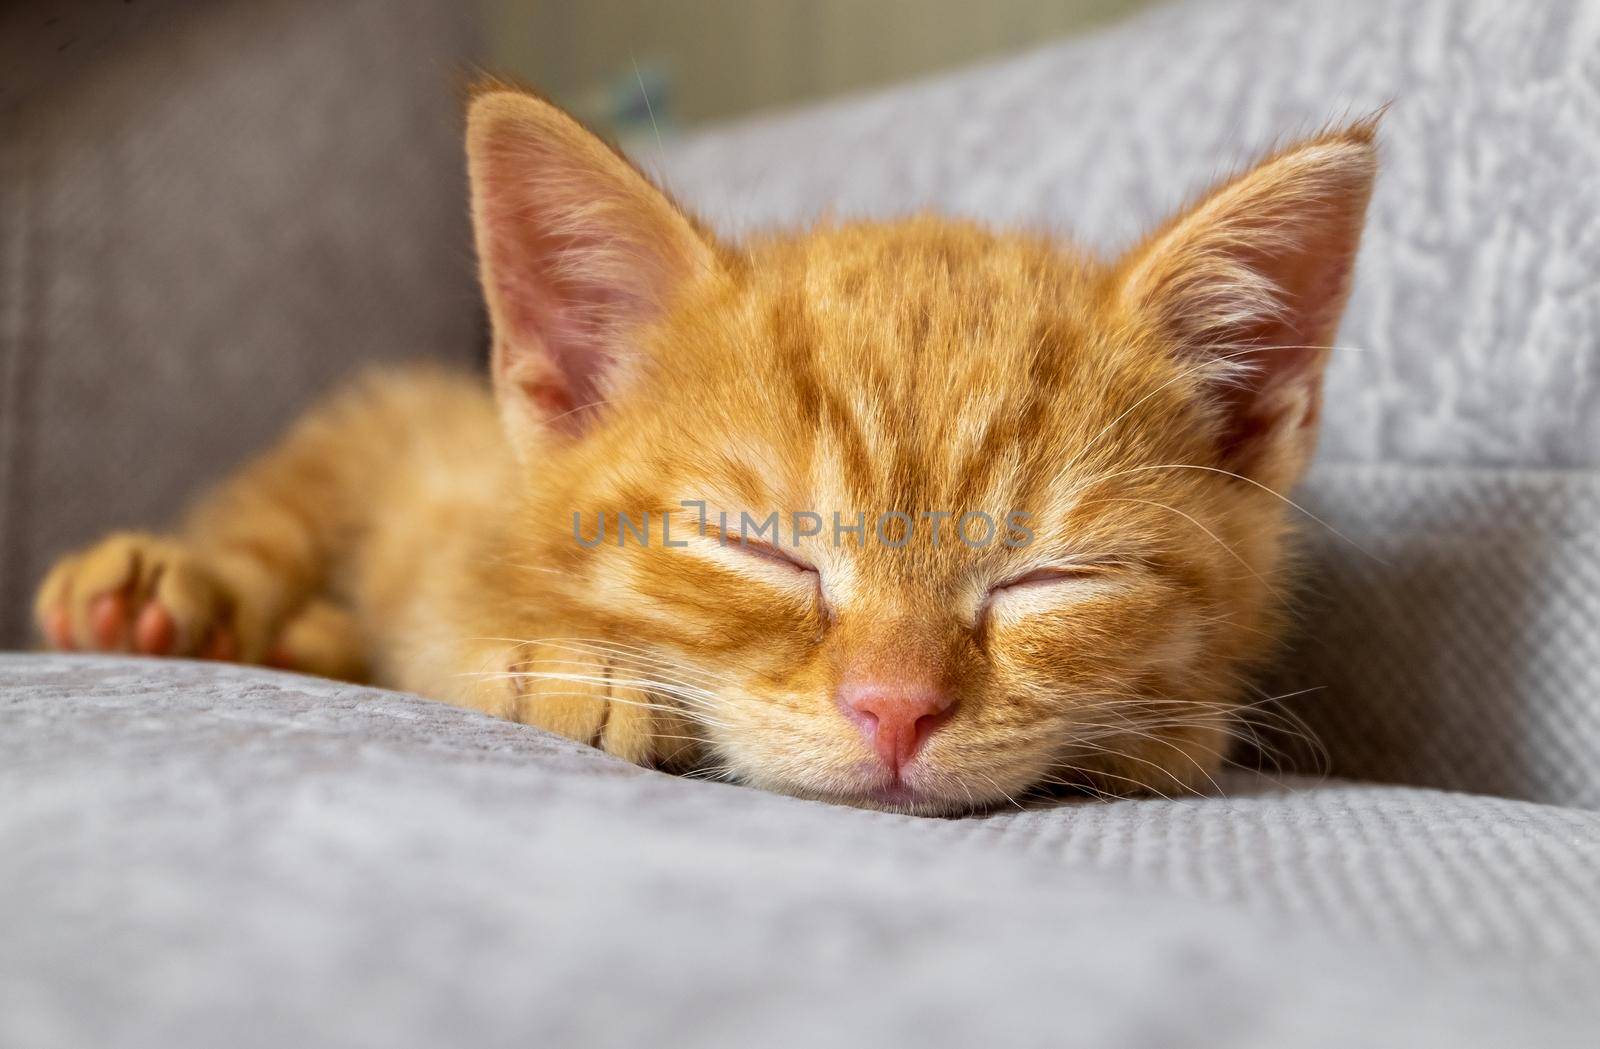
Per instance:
x=108, y=620
x=58, y=629
x=154, y=632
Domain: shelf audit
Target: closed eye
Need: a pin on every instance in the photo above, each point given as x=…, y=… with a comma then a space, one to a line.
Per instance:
x=795, y=570
x=1041, y=589
x=769, y=553
x=1056, y=575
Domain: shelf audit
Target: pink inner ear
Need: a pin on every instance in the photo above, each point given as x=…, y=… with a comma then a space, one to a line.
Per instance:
x=555, y=343
x=1251, y=282
x=557, y=323
x=1279, y=394
x=579, y=249
x=1280, y=388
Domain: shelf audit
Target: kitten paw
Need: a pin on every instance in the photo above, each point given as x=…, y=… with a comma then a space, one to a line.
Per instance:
x=136, y=593
x=586, y=697
x=322, y=639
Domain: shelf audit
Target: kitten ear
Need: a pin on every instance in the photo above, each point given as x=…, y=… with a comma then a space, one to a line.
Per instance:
x=1254, y=278
x=577, y=250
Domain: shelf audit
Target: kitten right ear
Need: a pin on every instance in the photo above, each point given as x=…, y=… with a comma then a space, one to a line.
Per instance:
x=1252, y=279
x=577, y=251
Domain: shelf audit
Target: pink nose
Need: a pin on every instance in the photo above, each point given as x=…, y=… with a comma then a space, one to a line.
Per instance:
x=895, y=718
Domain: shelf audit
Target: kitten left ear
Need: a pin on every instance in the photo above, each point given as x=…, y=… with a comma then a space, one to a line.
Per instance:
x=577, y=252
x=1254, y=279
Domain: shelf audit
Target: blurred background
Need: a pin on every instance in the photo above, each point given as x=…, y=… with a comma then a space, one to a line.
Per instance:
x=690, y=62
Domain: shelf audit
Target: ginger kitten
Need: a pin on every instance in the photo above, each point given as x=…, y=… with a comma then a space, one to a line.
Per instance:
x=1126, y=430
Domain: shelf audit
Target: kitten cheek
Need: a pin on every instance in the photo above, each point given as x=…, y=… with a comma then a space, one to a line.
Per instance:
x=1181, y=645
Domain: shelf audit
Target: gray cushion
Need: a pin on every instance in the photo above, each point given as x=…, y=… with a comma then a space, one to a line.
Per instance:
x=1449, y=634
x=200, y=855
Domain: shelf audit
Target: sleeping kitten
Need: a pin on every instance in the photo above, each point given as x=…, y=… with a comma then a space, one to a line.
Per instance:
x=1030, y=514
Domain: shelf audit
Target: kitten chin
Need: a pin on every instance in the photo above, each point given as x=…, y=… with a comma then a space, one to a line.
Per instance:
x=911, y=515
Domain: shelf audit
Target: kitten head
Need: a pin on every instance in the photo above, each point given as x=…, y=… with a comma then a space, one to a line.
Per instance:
x=1029, y=504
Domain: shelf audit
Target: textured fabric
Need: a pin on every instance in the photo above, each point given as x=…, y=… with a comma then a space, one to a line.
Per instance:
x=210, y=212
x=1449, y=633
x=200, y=855
x=1475, y=322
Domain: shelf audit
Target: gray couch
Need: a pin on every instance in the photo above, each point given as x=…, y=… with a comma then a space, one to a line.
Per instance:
x=195, y=854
